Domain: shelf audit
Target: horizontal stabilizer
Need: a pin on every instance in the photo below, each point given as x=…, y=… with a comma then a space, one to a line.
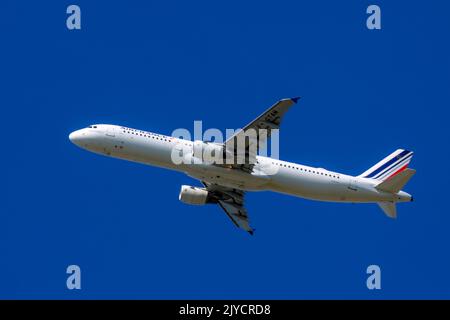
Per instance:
x=396, y=183
x=389, y=209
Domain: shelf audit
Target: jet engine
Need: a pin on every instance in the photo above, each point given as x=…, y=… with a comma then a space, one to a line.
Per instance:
x=193, y=195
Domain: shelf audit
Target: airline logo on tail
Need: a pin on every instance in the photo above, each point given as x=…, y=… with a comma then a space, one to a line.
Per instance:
x=390, y=166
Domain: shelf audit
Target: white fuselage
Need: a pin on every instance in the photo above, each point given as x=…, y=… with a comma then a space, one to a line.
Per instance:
x=268, y=174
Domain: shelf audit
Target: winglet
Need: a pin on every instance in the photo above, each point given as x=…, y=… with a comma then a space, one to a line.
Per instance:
x=295, y=99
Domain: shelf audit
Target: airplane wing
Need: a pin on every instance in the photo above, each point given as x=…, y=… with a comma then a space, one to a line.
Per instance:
x=269, y=120
x=232, y=202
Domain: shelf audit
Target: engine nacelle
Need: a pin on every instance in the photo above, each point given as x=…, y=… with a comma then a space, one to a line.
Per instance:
x=193, y=195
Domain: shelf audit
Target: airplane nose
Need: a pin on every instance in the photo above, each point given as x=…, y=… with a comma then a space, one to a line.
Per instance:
x=76, y=137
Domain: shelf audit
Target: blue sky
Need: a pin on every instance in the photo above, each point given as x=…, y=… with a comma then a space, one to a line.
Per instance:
x=159, y=66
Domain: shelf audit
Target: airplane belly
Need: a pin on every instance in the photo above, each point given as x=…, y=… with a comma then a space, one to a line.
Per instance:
x=342, y=189
x=228, y=177
x=309, y=186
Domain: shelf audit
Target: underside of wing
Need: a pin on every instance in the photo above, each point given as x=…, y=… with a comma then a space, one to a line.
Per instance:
x=232, y=202
x=246, y=143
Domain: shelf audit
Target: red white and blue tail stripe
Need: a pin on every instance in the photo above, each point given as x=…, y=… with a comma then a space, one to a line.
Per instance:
x=393, y=164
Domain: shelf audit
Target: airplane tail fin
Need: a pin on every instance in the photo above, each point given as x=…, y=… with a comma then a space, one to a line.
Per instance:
x=392, y=173
x=390, y=166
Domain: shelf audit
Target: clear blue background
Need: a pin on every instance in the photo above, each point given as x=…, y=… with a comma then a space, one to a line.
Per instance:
x=161, y=65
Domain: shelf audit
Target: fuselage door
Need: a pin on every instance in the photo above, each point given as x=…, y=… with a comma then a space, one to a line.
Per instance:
x=110, y=132
x=352, y=184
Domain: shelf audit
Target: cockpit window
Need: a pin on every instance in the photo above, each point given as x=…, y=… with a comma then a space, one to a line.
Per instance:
x=93, y=127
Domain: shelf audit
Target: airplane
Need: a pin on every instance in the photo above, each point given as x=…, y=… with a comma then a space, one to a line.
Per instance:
x=226, y=184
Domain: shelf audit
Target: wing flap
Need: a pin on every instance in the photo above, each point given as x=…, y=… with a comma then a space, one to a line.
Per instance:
x=270, y=119
x=232, y=202
x=245, y=143
x=237, y=214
